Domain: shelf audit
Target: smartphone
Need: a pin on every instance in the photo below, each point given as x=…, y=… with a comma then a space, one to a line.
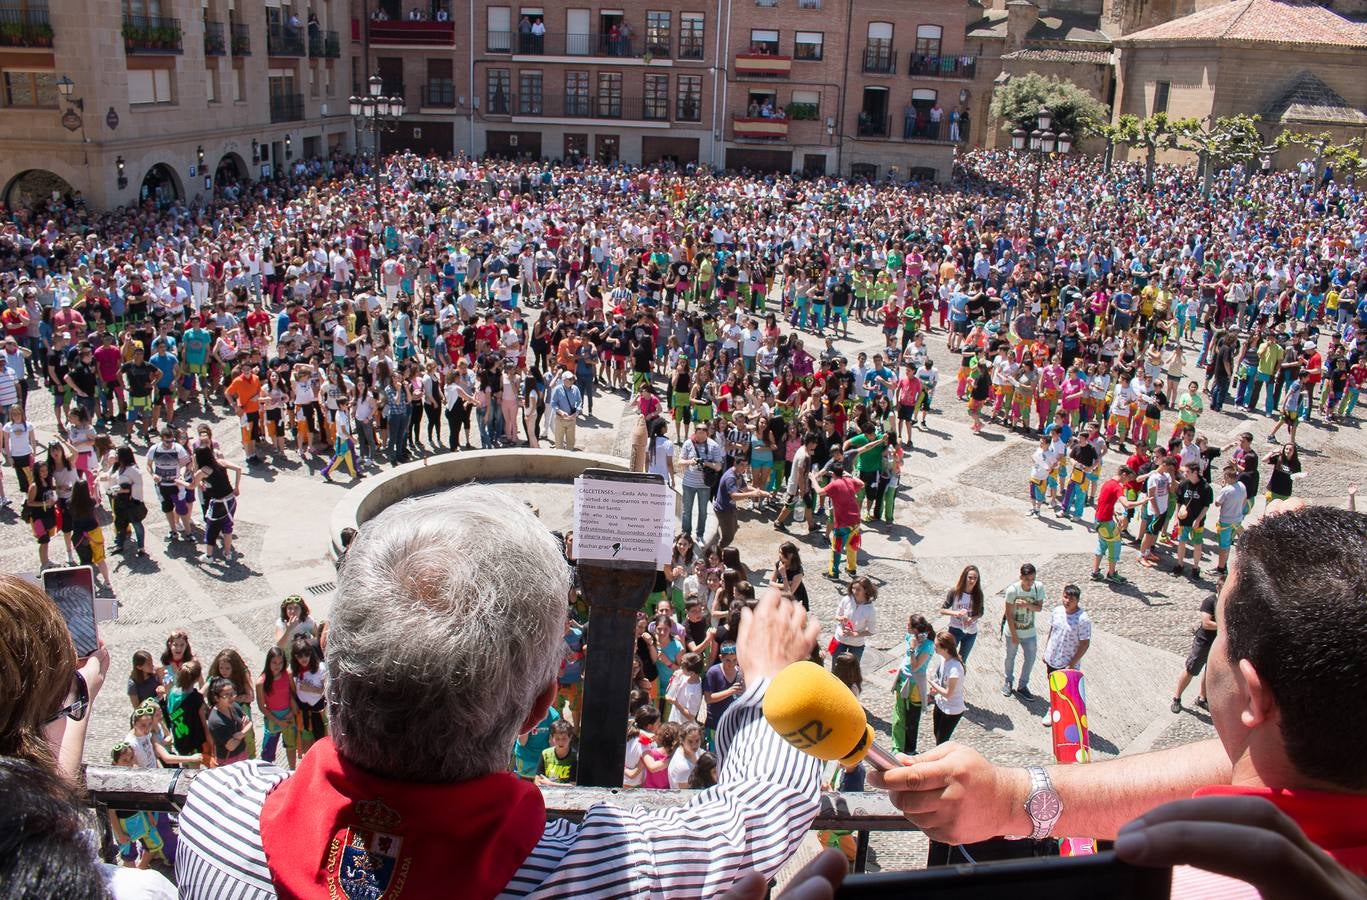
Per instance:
x=73, y=590
x=1058, y=878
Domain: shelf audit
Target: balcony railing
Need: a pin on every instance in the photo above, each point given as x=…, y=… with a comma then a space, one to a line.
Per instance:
x=580, y=106
x=242, y=41
x=763, y=65
x=559, y=44
x=871, y=126
x=324, y=45
x=215, y=40
x=287, y=107
x=25, y=27
x=690, y=46
x=285, y=40
x=151, y=34
x=414, y=34
x=924, y=66
x=440, y=94
x=759, y=128
x=922, y=129
x=880, y=59
x=166, y=790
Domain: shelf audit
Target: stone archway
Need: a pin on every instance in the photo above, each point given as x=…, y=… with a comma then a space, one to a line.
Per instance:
x=34, y=187
x=232, y=169
x=161, y=185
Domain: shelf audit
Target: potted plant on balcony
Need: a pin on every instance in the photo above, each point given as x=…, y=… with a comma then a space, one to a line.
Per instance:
x=11, y=34
x=133, y=35
x=42, y=34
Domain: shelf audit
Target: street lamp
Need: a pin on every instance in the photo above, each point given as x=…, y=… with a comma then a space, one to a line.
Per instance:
x=1042, y=142
x=377, y=114
x=118, y=167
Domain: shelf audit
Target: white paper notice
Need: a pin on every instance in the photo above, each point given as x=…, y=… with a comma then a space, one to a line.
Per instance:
x=631, y=521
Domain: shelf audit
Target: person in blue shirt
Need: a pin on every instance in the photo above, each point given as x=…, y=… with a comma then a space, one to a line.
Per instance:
x=879, y=379
x=527, y=748
x=166, y=363
x=195, y=344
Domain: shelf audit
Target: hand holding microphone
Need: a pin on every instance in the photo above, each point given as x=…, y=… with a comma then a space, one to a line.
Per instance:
x=815, y=712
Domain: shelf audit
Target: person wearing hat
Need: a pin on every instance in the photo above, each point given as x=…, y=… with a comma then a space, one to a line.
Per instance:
x=565, y=401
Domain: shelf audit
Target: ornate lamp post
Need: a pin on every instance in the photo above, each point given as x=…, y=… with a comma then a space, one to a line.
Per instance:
x=376, y=114
x=1042, y=142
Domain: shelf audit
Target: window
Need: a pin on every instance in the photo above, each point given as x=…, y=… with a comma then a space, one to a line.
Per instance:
x=690, y=36
x=928, y=39
x=805, y=105
x=498, y=92
x=610, y=95
x=763, y=41
x=809, y=4
x=34, y=89
x=147, y=86
x=1160, y=96
x=239, y=84
x=657, y=34
x=656, y=105
x=500, y=29
x=211, y=84
x=529, y=93
x=807, y=45
x=766, y=3
x=689, y=106
x=577, y=93
x=315, y=83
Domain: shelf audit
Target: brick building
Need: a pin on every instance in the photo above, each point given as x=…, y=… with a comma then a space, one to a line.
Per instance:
x=167, y=97
x=1298, y=64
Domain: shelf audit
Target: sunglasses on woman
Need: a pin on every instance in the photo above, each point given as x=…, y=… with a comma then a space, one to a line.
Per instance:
x=77, y=701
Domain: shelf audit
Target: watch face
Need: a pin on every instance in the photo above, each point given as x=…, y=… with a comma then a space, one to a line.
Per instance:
x=1043, y=806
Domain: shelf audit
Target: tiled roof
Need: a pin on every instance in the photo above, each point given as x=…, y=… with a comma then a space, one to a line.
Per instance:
x=1068, y=26
x=991, y=25
x=1308, y=99
x=1289, y=22
x=1059, y=55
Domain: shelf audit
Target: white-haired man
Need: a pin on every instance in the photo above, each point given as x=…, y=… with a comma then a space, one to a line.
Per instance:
x=445, y=643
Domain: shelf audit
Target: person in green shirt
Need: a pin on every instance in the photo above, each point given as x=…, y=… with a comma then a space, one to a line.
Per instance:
x=1189, y=407
x=1023, y=600
x=866, y=450
x=559, y=762
x=1270, y=354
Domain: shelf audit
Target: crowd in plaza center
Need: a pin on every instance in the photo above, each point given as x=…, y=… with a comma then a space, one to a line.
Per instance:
x=488, y=304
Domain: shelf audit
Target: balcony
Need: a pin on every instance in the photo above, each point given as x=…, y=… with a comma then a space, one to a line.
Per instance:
x=558, y=44
x=166, y=790
x=581, y=106
x=759, y=129
x=25, y=27
x=282, y=40
x=324, y=45
x=151, y=34
x=215, y=39
x=242, y=40
x=922, y=129
x=763, y=65
x=414, y=34
x=922, y=66
x=287, y=108
x=880, y=59
x=439, y=95
x=870, y=126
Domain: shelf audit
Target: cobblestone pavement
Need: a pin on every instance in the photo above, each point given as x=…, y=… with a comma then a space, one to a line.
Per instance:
x=963, y=500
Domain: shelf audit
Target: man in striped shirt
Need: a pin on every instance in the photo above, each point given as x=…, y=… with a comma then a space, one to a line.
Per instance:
x=445, y=643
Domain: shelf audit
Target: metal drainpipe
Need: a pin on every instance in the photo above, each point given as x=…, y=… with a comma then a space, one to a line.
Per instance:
x=470, y=107
x=840, y=108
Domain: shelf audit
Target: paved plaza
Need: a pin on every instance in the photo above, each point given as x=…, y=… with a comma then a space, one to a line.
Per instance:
x=963, y=500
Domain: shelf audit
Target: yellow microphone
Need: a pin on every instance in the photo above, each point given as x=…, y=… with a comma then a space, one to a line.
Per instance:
x=816, y=713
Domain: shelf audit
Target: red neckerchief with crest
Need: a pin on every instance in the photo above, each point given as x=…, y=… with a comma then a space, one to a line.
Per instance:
x=333, y=831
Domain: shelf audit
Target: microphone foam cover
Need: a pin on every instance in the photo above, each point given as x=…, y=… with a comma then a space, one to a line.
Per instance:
x=816, y=713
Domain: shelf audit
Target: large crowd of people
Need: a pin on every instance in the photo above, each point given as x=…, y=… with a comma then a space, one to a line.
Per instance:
x=489, y=303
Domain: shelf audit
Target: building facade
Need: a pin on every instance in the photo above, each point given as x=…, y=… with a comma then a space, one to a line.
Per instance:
x=168, y=98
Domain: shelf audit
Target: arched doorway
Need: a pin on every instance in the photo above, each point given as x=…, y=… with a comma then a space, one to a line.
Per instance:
x=231, y=170
x=160, y=185
x=36, y=187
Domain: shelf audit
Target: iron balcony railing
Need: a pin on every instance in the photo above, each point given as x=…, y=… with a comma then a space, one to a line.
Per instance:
x=942, y=66
x=324, y=44
x=872, y=126
x=151, y=34
x=581, y=106
x=285, y=40
x=25, y=26
x=439, y=94
x=242, y=40
x=526, y=43
x=287, y=107
x=215, y=39
x=880, y=58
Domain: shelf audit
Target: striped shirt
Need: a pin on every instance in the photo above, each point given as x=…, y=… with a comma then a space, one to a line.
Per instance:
x=765, y=801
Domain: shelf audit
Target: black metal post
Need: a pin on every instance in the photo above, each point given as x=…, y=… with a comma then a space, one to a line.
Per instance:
x=1034, y=194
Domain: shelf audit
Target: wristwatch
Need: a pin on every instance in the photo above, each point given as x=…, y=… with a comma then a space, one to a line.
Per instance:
x=1043, y=804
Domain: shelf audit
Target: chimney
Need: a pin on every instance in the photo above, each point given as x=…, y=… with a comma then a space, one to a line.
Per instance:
x=1021, y=16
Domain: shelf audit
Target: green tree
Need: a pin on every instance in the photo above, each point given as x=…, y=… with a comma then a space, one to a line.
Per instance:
x=1222, y=142
x=1017, y=104
x=1143, y=134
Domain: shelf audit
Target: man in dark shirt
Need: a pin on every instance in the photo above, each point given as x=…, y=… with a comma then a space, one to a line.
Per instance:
x=139, y=375
x=1193, y=499
x=1202, y=637
x=731, y=488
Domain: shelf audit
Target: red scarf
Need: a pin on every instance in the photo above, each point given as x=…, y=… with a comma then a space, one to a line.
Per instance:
x=331, y=830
